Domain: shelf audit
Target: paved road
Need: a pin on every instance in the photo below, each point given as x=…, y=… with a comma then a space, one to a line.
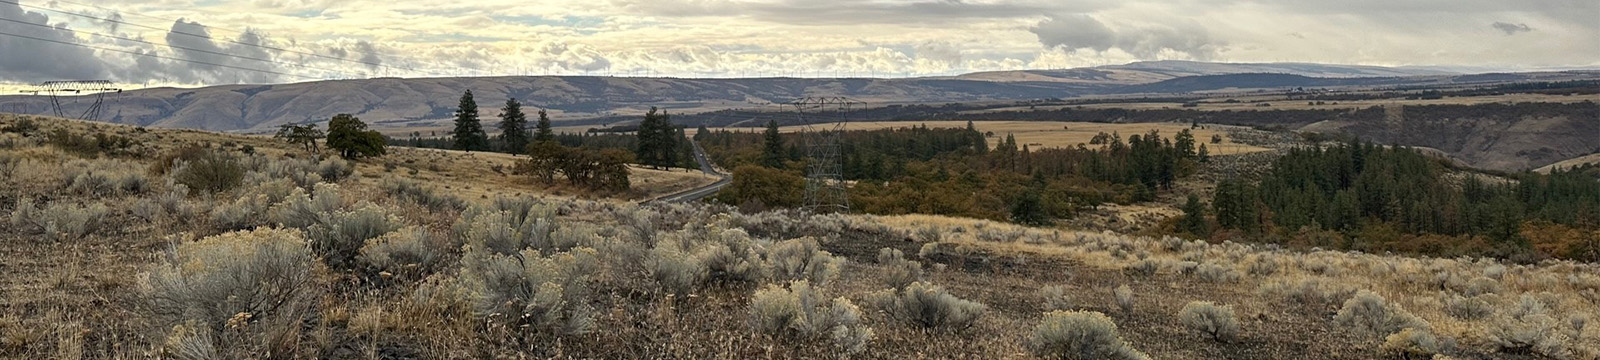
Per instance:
x=700, y=192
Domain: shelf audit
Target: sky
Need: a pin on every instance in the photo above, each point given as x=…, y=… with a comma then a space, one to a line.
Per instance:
x=212, y=42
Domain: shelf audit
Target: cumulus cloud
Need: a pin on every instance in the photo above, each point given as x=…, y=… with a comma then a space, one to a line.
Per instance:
x=193, y=41
x=1511, y=29
x=1081, y=31
x=41, y=51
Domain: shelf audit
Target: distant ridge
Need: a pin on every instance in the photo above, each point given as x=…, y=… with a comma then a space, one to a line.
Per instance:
x=395, y=103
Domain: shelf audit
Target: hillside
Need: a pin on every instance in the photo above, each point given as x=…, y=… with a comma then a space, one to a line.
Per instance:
x=1145, y=72
x=419, y=102
x=105, y=258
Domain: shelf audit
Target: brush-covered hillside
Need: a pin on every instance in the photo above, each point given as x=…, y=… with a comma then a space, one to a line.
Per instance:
x=121, y=242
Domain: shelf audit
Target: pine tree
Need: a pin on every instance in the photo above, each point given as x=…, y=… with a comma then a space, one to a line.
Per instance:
x=1203, y=155
x=544, y=133
x=772, y=147
x=469, y=133
x=658, y=140
x=1029, y=210
x=1194, y=218
x=514, y=127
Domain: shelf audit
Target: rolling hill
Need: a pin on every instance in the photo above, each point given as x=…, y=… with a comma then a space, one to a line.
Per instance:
x=420, y=102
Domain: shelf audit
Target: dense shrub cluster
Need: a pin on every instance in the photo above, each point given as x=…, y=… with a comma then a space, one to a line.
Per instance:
x=898, y=271
x=211, y=172
x=339, y=239
x=929, y=306
x=530, y=293
x=1216, y=322
x=411, y=190
x=259, y=281
x=412, y=252
x=58, y=221
x=1371, y=314
x=1080, y=335
x=800, y=313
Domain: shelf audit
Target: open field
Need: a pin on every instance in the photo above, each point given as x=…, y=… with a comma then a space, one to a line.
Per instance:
x=1059, y=134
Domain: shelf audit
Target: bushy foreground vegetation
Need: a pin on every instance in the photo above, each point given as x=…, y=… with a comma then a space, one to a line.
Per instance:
x=356, y=266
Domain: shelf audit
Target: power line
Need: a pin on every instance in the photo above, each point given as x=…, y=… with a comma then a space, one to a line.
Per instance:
x=178, y=47
x=157, y=56
x=207, y=37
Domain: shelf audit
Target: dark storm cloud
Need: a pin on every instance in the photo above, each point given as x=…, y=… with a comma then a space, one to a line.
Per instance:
x=32, y=60
x=1511, y=29
x=1080, y=31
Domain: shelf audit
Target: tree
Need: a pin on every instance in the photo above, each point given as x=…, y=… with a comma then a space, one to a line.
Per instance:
x=469, y=133
x=350, y=137
x=514, y=127
x=772, y=147
x=1235, y=205
x=1194, y=218
x=544, y=133
x=658, y=140
x=544, y=160
x=304, y=135
x=1184, y=142
x=1029, y=210
x=1203, y=155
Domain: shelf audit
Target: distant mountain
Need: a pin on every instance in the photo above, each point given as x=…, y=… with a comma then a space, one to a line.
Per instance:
x=395, y=102
x=402, y=104
x=1146, y=72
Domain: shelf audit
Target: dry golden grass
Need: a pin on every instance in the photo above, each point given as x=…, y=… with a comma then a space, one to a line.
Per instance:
x=1058, y=134
x=485, y=175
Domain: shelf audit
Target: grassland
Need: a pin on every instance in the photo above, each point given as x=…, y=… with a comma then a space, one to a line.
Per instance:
x=1058, y=134
x=417, y=275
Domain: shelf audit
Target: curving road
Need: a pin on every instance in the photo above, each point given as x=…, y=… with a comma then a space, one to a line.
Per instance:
x=703, y=191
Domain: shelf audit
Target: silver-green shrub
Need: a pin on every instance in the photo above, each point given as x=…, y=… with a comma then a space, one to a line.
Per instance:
x=929, y=306
x=803, y=259
x=541, y=295
x=801, y=313
x=58, y=221
x=240, y=272
x=339, y=239
x=1055, y=297
x=1080, y=335
x=411, y=252
x=1217, y=322
x=413, y=191
x=898, y=271
x=1369, y=313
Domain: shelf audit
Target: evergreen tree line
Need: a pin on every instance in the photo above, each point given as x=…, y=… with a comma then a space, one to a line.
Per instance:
x=953, y=172
x=1363, y=196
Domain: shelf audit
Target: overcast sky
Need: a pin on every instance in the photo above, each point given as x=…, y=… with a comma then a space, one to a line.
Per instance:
x=315, y=39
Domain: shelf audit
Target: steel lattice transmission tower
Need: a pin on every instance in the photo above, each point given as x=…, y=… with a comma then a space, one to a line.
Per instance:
x=96, y=90
x=825, y=119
